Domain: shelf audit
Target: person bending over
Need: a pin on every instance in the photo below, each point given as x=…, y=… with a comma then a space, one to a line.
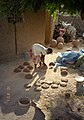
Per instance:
x=38, y=54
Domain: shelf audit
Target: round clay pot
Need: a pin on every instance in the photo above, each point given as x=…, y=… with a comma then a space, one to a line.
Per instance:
x=28, y=76
x=60, y=39
x=24, y=102
x=75, y=43
x=64, y=72
x=60, y=45
x=53, y=43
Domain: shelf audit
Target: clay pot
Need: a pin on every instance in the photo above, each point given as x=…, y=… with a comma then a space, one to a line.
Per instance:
x=64, y=72
x=24, y=102
x=28, y=76
x=60, y=39
x=53, y=43
x=75, y=43
x=60, y=45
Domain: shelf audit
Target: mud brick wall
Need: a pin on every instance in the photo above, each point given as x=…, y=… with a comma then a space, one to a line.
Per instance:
x=33, y=29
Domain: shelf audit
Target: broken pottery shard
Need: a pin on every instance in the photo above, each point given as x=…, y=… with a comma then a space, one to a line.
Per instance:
x=63, y=84
x=28, y=76
x=64, y=72
x=21, y=66
x=54, y=86
x=26, y=63
x=64, y=80
x=26, y=70
x=17, y=70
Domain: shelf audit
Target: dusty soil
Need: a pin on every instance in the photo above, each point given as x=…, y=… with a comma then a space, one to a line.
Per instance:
x=51, y=100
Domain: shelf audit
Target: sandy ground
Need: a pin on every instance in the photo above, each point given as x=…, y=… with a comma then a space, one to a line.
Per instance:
x=51, y=101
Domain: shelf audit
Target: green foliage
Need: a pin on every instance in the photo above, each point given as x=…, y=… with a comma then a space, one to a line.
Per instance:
x=70, y=6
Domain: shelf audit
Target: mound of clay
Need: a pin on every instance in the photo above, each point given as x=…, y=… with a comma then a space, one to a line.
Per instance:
x=38, y=89
x=29, y=67
x=60, y=39
x=60, y=45
x=21, y=66
x=26, y=63
x=27, y=86
x=63, y=84
x=53, y=43
x=54, y=86
x=64, y=80
x=26, y=70
x=51, y=64
x=17, y=70
x=45, y=86
x=28, y=76
x=64, y=72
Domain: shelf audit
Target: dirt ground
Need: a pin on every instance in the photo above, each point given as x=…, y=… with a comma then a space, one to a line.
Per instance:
x=51, y=100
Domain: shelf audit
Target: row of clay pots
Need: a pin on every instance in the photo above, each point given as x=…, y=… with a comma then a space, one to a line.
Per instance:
x=60, y=42
x=57, y=43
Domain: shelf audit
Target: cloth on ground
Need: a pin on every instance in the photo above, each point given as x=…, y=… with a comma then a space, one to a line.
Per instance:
x=67, y=57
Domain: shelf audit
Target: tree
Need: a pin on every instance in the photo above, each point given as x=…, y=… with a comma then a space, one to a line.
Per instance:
x=69, y=6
